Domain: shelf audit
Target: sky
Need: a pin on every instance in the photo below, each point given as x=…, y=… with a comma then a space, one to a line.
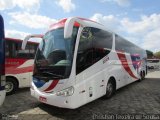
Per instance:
x=136, y=20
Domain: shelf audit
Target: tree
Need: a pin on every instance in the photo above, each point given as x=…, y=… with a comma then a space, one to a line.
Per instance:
x=157, y=54
x=149, y=53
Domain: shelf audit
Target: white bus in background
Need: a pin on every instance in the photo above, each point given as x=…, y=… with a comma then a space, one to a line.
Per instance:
x=80, y=60
x=153, y=63
x=18, y=64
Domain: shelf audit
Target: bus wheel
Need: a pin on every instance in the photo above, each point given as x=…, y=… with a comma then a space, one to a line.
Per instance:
x=11, y=86
x=142, y=76
x=110, y=89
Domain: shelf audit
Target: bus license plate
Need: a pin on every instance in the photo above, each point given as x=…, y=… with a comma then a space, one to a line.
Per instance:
x=42, y=99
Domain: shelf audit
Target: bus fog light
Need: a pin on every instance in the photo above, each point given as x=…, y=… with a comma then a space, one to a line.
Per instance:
x=66, y=92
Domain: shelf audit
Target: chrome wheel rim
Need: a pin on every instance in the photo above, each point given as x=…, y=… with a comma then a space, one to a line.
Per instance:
x=9, y=86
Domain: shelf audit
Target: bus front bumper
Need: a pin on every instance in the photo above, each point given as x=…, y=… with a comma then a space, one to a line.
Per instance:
x=53, y=99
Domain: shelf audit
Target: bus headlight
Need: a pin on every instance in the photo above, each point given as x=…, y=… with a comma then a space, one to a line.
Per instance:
x=66, y=92
x=3, y=80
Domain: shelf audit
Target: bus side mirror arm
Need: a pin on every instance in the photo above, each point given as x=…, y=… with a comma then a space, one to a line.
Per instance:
x=68, y=28
x=24, y=43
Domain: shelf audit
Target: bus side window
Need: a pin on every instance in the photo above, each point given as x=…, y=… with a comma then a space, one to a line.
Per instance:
x=32, y=50
x=12, y=49
x=7, y=53
x=16, y=48
x=94, y=44
x=102, y=43
x=29, y=52
x=22, y=53
x=122, y=45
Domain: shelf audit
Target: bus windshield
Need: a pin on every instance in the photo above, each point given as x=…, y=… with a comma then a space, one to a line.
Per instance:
x=55, y=55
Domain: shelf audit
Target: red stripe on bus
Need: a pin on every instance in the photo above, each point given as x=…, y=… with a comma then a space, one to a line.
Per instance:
x=14, y=62
x=19, y=70
x=52, y=85
x=125, y=65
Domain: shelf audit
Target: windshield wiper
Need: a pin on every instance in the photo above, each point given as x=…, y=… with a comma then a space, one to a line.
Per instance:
x=51, y=74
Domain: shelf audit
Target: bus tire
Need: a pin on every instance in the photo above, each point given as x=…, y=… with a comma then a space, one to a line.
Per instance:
x=142, y=76
x=11, y=86
x=110, y=88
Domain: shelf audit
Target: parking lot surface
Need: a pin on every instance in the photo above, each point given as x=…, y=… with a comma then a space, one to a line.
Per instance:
x=138, y=98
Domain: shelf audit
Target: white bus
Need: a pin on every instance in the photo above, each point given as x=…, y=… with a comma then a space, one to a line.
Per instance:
x=18, y=64
x=79, y=61
x=153, y=63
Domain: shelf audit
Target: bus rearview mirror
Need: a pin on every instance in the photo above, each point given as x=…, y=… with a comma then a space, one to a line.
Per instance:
x=25, y=42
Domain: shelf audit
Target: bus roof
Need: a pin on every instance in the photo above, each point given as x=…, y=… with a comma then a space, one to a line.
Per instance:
x=61, y=23
x=19, y=40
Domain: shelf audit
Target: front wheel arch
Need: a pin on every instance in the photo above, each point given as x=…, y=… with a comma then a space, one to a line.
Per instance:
x=114, y=82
